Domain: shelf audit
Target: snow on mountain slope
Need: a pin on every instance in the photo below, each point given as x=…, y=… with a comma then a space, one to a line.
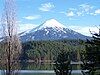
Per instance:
x=52, y=23
x=51, y=30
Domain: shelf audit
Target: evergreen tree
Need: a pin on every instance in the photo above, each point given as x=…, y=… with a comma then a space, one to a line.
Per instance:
x=91, y=57
x=62, y=64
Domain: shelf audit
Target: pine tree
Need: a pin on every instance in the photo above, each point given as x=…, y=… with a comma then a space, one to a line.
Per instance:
x=91, y=57
x=62, y=64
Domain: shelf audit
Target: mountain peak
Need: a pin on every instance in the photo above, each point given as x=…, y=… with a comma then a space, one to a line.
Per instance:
x=51, y=30
x=53, y=23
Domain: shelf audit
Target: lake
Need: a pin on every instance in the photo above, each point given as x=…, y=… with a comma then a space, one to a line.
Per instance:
x=43, y=72
x=43, y=69
x=44, y=66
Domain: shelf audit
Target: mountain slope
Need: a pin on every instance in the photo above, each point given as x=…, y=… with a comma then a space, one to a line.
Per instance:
x=51, y=30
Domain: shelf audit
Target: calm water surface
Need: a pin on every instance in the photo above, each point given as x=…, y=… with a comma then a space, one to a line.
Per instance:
x=43, y=72
x=43, y=69
x=47, y=72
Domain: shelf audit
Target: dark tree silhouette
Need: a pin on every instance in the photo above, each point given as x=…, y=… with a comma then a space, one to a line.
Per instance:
x=62, y=64
x=91, y=57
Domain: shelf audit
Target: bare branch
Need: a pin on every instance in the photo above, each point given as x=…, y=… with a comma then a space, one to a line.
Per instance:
x=11, y=44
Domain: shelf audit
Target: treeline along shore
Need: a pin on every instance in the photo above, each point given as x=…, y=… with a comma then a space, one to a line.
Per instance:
x=47, y=51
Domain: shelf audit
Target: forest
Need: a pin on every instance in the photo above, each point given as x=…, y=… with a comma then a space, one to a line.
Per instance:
x=47, y=51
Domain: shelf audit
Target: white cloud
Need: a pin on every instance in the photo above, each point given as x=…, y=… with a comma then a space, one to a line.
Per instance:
x=46, y=7
x=21, y=28
x=70, y=14
x=82, y=10
x=97, y=11
x=93, y=14
x=24, y=27
x=86, y=7
x=79, y=13
x=84, y=29
x=32, y=17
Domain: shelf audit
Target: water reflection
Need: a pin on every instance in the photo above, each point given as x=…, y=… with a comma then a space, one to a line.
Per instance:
x=42, y=66
x=36, y=74
x=43, y=72
x=32, y=68
x=36, y=66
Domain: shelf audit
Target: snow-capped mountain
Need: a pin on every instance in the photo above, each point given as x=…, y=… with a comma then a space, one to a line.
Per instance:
x=51, y=30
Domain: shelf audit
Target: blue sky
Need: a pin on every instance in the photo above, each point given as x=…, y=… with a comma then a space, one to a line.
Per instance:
x=79, y=15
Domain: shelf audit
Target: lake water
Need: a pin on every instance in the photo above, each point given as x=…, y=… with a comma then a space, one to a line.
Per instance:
x=43, y=72
x=47, y=72
x=43, y=69
x=44, y=66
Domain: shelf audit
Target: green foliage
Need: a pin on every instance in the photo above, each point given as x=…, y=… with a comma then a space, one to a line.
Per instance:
x=49, y=50
x=91, y=56
x=62, y=63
